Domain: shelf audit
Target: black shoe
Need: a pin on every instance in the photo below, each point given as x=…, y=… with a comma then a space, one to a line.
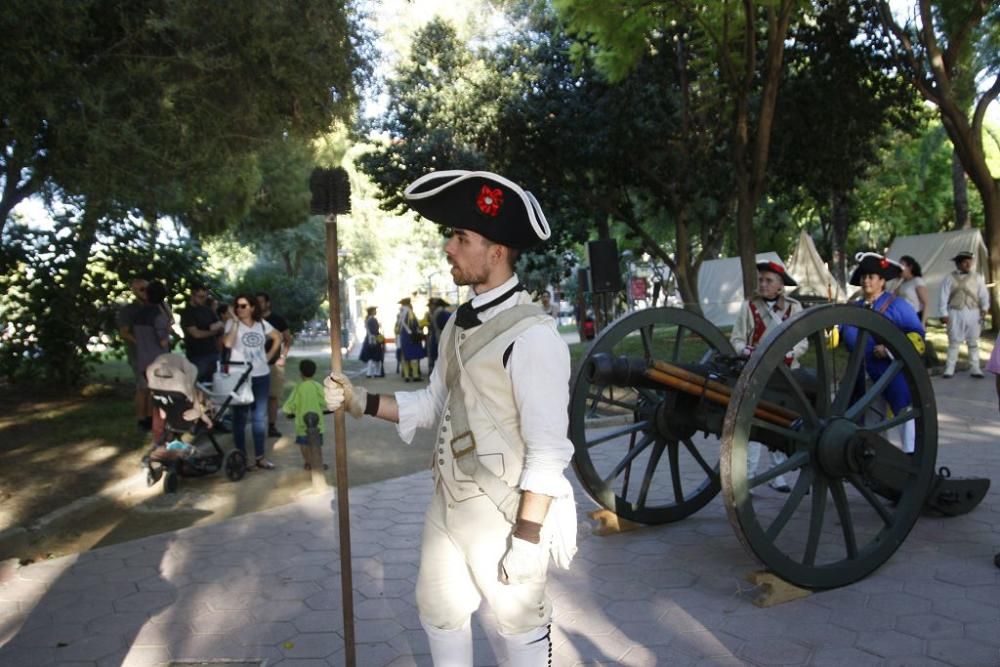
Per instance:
x=273, y=432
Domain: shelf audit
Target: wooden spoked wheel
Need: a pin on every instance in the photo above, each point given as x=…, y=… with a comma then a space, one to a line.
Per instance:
x=855, y=494
x=637, y=453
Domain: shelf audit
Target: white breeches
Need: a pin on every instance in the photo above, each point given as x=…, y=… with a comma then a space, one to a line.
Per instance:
x=463, y=544
x=963, y=326
x=753, y=458
x=907, y=431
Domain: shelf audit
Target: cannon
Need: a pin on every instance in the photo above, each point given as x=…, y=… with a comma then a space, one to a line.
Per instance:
x=662, y=413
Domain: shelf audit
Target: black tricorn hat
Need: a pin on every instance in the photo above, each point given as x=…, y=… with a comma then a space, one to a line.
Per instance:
x=871, y=262
x=774, y=267
x=965, y=254
x=482, y=202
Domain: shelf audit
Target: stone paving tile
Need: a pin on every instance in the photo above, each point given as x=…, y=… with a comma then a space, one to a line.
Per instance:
x=888, y=643
x=843, y=656
x=963, y=653
x=774, y=652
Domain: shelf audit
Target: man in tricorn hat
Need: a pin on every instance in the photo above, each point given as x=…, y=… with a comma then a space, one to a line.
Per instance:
x=964, y=303
x=759, y=316
x=871, y=275
x=498, y=397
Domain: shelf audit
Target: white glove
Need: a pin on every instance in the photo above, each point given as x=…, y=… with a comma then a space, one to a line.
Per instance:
x=524, y=562
x=339, y=392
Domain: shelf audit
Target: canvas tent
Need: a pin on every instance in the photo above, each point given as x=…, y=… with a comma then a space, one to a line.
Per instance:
x=934, y=253
x=720, y=287
x=811, y=273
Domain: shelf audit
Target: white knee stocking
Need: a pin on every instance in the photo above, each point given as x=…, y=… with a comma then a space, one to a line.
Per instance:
x=529, y=649
x=974, y=360
x=450, y=648
x=949, y=364
x=908, y=434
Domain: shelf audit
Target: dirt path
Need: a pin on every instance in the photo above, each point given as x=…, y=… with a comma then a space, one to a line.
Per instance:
x=93, y=493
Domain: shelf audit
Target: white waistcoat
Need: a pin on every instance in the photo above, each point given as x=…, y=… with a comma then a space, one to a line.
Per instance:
x=963, y=291
x=493, y=416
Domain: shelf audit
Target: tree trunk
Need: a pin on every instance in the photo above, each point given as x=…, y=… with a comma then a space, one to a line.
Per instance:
x=840, y=213
x=960, y=190
x=991, y=210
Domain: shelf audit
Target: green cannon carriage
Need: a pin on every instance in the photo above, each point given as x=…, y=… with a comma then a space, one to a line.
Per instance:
x=662, y=413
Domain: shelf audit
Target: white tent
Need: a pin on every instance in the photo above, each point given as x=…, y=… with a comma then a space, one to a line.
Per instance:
x=934, y=252
x=720, y=287
x=812, y=274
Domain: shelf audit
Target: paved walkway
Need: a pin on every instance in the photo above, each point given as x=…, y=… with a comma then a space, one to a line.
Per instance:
x=266, y=587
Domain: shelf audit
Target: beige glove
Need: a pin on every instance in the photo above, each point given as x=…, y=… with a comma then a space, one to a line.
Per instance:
x=524, y=562
x=339, y=392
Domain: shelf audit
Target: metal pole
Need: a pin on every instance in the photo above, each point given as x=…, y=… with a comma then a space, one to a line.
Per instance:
x=340, y=443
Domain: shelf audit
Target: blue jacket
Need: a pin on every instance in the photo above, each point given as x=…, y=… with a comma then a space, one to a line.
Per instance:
x=903, y=316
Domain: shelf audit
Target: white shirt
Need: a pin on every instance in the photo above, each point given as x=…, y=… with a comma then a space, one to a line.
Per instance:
x=250, y=345
x=539, y=368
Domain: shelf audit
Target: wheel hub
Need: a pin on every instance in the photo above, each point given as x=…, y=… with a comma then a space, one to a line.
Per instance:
x=670, y=419
x=841, y=449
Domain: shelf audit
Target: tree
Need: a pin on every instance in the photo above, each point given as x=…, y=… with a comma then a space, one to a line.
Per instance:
x=930, y=49
x=728, y=42
x=141, y=105
x=130, y=111
x=830, y=57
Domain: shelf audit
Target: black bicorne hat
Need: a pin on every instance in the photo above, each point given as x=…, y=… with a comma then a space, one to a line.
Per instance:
x=482, y=202
x=774, y=267
x=871, y=262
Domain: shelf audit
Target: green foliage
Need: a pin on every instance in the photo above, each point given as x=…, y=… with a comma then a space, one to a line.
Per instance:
x=160, y=105
x=59, y=293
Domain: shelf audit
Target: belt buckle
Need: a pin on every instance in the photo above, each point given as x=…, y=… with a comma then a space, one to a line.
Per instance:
x=459, y=453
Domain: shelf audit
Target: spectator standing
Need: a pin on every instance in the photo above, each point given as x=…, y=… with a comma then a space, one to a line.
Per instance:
x=437, y=317
x=912, y=288
x=246, y=338
x=373, y=347
x=125, y=319
x=410, y=341
x=151, y=328
x=277, y=361
x=305, y=398
x=964, y=304
x=202, y=330
x=549, y=307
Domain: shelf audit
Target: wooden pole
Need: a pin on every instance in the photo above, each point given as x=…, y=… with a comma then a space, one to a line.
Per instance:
x=340, y=442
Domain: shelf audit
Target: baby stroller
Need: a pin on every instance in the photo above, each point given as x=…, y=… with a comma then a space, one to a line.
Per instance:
x=172, y=382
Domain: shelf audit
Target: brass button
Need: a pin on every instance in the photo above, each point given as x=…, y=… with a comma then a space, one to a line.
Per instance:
x=462, y=337
x=441, y=450
x=447, y=418
x=441, y=461
x=441, y=440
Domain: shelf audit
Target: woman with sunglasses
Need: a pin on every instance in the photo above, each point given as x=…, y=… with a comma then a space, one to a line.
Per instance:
x=245, y=337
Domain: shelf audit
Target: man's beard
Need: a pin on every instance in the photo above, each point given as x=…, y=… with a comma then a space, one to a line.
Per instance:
x=468, y=277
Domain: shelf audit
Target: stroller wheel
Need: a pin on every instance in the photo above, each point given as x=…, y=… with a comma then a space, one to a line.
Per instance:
x=235, y=465
x=170, y=482
x=153, y=475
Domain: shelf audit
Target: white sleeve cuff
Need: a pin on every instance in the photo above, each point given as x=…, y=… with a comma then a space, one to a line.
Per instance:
x=409, y=414
x=546, y=483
